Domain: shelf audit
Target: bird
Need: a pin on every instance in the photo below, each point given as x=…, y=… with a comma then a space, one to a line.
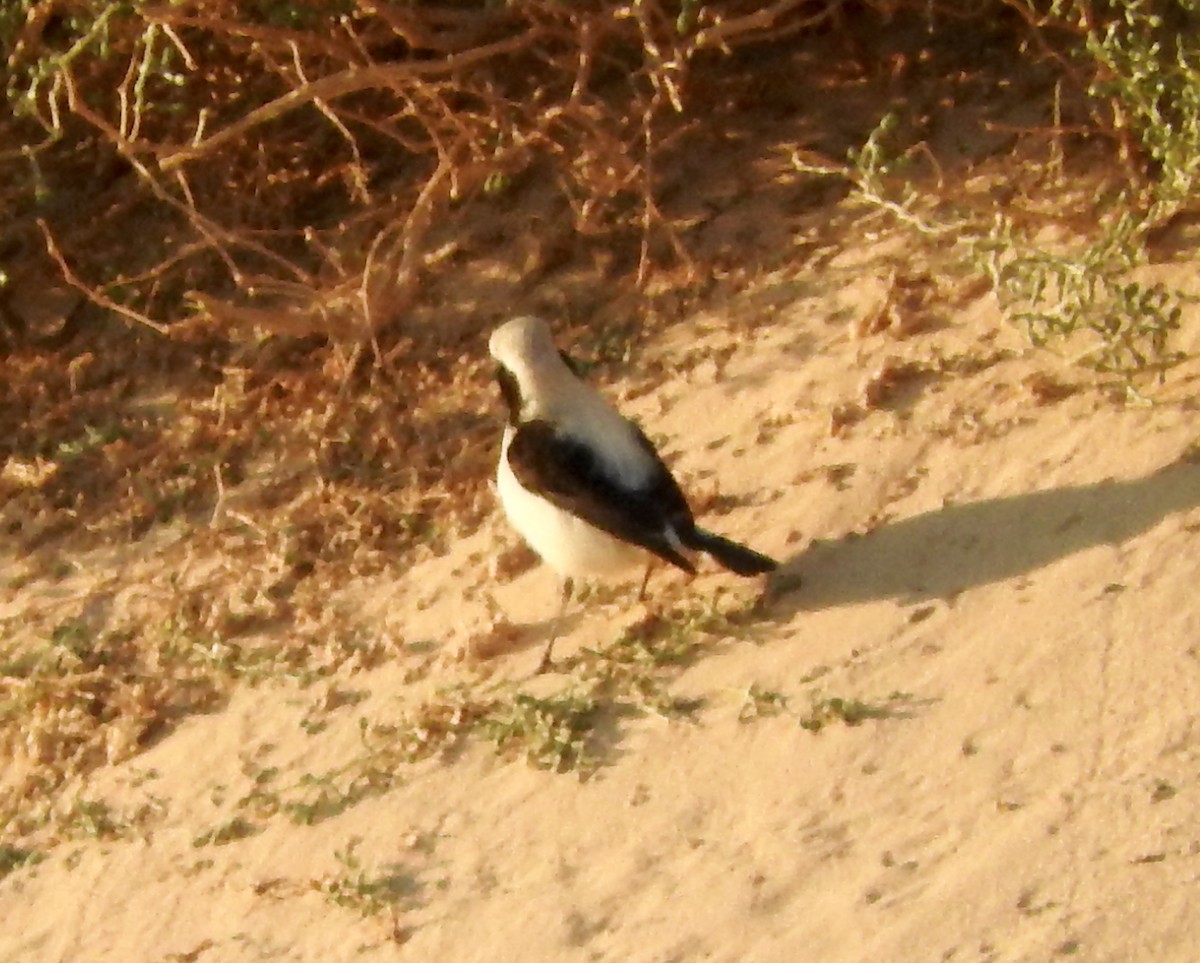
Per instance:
x=581, y=483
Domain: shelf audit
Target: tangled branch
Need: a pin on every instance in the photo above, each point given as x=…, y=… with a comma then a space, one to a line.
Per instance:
x=237, y=125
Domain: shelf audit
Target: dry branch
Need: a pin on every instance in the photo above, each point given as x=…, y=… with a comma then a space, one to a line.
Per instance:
x=726, y=29
x=597, y=93
x=93, y=294
x=349, y=81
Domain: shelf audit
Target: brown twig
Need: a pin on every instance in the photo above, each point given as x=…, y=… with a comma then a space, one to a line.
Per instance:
x=763, y=19
x=502, y=88
x=93, y=294
x=345, y=82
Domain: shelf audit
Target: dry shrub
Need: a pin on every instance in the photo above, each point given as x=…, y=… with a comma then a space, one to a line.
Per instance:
x=288, y=160
x=295, y=155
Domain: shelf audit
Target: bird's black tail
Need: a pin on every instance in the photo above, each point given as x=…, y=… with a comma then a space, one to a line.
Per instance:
x=737, y=558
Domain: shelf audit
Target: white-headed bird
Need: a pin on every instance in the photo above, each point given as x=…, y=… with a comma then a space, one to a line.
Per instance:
x=581, y=483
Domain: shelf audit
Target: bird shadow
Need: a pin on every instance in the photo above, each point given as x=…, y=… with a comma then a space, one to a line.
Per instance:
x=940, y=553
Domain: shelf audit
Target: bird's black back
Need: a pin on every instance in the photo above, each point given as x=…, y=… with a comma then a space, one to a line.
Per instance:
x=567, y=473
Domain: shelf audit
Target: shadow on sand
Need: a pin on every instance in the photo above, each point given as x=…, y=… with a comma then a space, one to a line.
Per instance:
x=941, y=553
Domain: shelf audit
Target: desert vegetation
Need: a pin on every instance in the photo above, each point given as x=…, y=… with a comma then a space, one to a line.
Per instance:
x=249, y=247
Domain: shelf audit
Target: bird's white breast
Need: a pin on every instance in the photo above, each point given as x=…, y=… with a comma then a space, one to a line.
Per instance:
x=569, y=545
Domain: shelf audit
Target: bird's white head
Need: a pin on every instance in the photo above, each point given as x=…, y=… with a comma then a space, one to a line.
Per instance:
x=533, y=376
x=523, y=344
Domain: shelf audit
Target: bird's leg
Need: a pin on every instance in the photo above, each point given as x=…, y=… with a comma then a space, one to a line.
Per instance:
x=646, y=579
x=547, y=662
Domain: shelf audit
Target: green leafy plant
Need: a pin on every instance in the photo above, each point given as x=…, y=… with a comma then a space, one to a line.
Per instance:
x=324, y=796
x=95, y=819
x=13, y=858
x=367, y=893
x=1082, y=297
x=551, y=733
x=1147, y=66
x=1057, y=296
x=238, y=827
x=824, y=710
x=759, y=703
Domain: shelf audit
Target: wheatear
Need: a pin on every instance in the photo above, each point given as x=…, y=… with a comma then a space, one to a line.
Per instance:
x=582, y=484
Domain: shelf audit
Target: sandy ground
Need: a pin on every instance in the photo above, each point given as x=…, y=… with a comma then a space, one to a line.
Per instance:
x=1004, y=579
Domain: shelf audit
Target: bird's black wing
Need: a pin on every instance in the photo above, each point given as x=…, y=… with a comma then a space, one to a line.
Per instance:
x=737, y=558
x=567, y=473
